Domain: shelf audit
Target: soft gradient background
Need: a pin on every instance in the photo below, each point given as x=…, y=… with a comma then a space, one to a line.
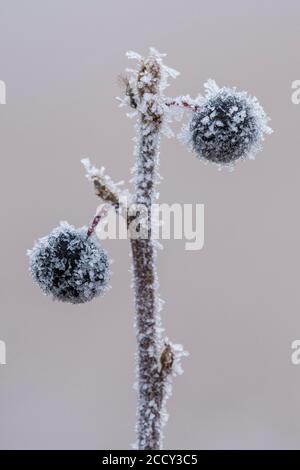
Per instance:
x=234, y=305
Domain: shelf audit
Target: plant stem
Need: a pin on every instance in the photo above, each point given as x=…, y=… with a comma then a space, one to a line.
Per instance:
x=150, y=383
x=156, y=361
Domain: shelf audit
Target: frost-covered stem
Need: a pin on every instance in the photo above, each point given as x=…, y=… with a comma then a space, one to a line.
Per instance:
x=157, y=361
x=150, y=379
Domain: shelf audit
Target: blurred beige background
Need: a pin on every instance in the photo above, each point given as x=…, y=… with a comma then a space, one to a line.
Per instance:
x=234, y=305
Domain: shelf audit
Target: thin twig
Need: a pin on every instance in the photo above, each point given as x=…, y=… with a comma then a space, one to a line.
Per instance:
x=106, y=194
x=99, y=216
x=129, y=91
x=104, y=186
x=182, y=103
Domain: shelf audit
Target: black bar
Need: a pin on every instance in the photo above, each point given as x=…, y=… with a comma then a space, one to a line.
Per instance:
x=134, y=459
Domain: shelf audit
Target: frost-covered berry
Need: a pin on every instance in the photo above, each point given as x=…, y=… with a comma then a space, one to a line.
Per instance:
x=69, y=265
x=228, y=126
